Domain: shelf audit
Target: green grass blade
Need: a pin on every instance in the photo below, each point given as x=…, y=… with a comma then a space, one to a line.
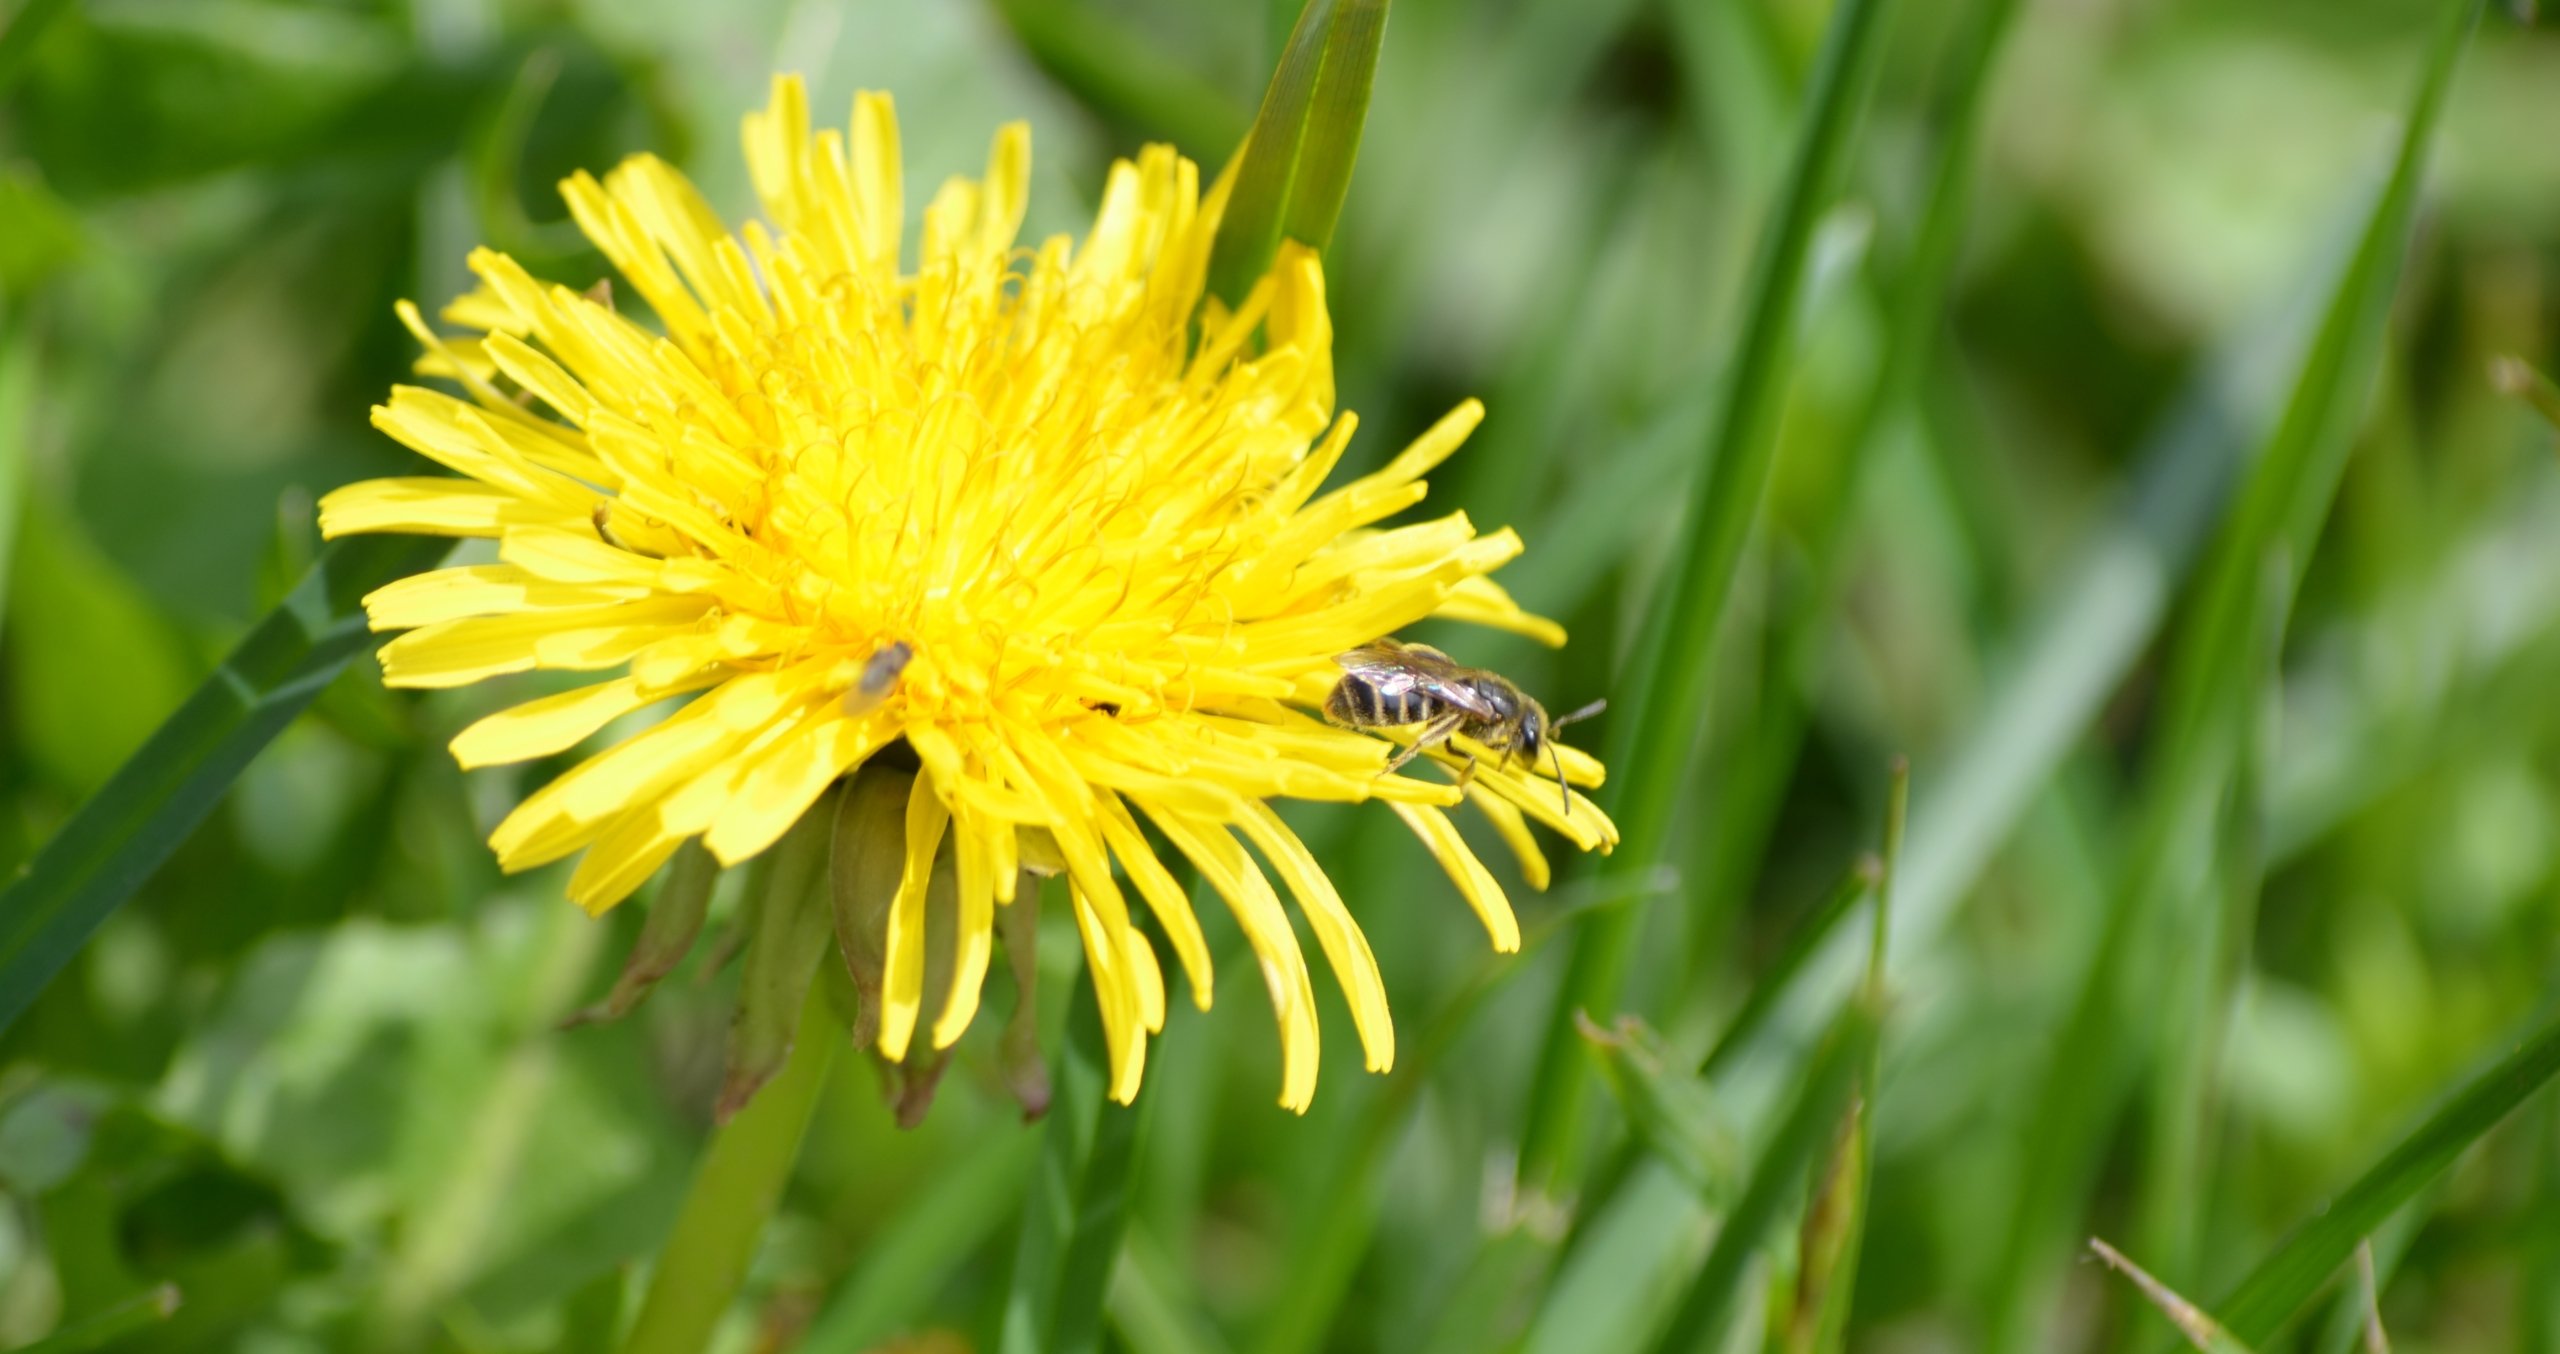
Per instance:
x=1778, y=1175
x=2266, y=1302
x=1652, y=729
x=128, y=828
x=2275, y=521
x=1778, y=981
x=965, y=1203
x=1297, y=162
x=2205, y=972
x=1078, y=1203
x=1914, y=297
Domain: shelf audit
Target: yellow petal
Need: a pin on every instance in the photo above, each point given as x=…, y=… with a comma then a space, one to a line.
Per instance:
x=1221, y=860
x=1344, y=946
x=1476, y=883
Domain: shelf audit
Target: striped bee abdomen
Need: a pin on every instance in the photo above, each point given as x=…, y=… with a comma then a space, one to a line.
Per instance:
x=1357, y=702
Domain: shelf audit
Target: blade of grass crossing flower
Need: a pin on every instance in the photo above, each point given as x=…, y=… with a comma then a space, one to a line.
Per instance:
x=1777, y=1176
x=733, y=1194
x=2273, y=1293
x=1078, y=1202
x=2277, y=517
x=115, y=841
x=1655, y=726
x=1297, y=161
x=965, y=1203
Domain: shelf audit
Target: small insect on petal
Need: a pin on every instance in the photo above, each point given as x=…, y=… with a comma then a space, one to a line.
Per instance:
x=880, y=675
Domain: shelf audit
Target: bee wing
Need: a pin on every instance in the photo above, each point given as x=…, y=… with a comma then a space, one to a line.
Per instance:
x=1395, y=669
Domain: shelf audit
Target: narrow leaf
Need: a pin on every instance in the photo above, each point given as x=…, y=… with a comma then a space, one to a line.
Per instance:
x=132, y=825
x=1651, y=731
x=1296, y=165
x=2268, y=1299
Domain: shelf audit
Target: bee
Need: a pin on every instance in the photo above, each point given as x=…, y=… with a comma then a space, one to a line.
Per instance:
x=1390, y=684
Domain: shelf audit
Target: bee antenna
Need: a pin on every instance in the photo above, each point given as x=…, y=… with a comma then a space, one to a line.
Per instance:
x=1563, y=791
x=1585, y=712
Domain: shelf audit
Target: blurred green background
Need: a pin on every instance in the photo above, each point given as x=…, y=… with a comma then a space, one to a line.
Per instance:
x=315, y=1075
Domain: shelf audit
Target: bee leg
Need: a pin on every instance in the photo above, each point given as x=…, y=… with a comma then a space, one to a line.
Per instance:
x=1466, y=772
x=1437, y=731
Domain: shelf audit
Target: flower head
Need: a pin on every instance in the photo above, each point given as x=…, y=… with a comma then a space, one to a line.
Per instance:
x=1038, y=513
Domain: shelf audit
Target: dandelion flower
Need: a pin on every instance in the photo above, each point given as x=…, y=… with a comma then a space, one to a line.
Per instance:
x=1042, y=514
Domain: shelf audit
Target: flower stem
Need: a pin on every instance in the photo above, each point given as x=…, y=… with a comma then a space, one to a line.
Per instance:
x=734, y=1192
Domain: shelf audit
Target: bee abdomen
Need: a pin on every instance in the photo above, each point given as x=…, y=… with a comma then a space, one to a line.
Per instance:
x=1359, y=703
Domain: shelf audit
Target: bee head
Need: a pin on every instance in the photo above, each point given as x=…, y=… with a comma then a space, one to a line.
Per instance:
x=1533, y=728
